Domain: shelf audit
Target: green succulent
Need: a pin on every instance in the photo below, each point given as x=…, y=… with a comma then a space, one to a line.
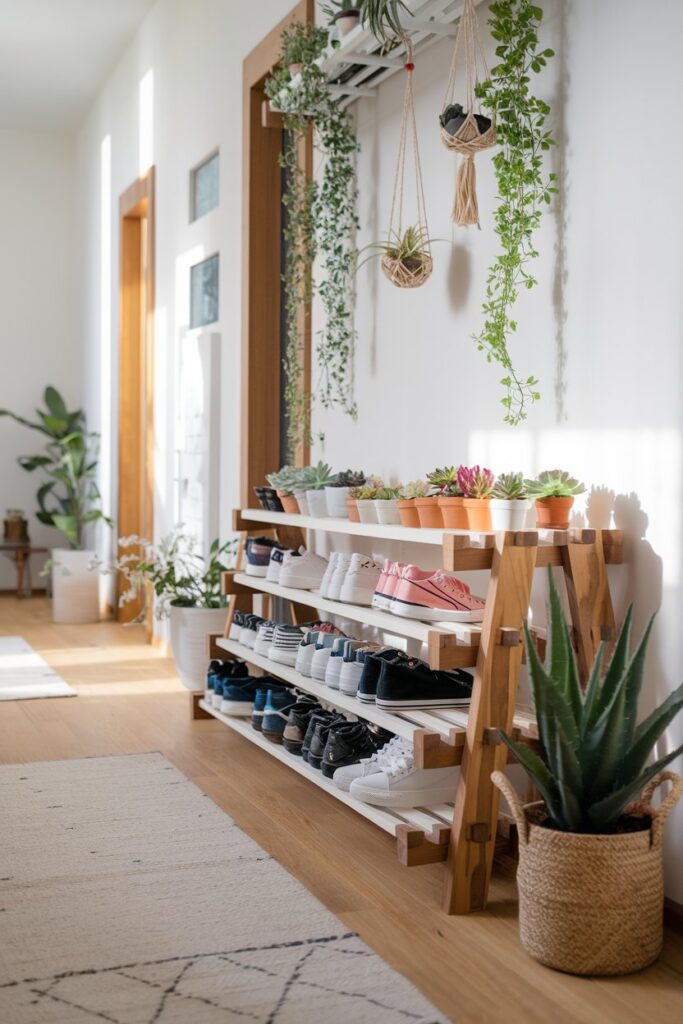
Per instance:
x=388, y=493
x=510, y=487
x=415, y=489
x=284, y=480
x=444, y=481
x=593, y=755
x=316, y=477
x=366, y=493
x=553, y=483
x=349, y=478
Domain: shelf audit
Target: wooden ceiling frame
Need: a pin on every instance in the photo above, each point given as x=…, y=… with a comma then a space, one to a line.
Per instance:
x=261, y=268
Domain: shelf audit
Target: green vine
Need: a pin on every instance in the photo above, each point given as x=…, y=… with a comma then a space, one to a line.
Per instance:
x=523, y=187
x=321, y=224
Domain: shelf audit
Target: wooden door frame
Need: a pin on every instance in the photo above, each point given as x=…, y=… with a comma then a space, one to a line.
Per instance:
x=135, y=503
x=261, y=271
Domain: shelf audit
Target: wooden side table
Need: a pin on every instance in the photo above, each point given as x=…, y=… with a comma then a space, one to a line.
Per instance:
x=21, y=553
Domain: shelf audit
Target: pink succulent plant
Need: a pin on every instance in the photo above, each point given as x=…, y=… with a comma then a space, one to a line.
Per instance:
x=476, y=481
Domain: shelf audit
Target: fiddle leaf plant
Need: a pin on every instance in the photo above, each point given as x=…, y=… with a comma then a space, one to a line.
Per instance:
x=594, y=757
x=524, y=188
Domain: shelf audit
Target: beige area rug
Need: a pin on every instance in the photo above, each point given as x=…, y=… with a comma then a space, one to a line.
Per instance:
x=127, y=896
x=25, y=675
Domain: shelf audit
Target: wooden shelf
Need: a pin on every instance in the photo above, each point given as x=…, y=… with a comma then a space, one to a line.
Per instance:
x=421, y=824
x=409, y=534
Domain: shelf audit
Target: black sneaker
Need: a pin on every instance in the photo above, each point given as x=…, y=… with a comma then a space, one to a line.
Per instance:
x=297, y=724
x=319, y=738
x=347, y=743
x=372, y=664
x=317, y=718
x=237, y=625
x=402, y=686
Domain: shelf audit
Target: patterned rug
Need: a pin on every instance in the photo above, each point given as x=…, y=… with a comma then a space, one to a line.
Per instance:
x=127, y=896
x=24, y=674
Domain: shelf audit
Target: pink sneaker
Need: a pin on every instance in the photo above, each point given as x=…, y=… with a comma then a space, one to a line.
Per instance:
x=387, y=584
x=435, y=596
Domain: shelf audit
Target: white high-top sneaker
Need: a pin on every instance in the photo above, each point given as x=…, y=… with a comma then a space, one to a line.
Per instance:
x=400, y=784
x=352, y=667
x=329, y=572
x=338, y=576
x=343, y=777
x=336, y=660
x=360, y=580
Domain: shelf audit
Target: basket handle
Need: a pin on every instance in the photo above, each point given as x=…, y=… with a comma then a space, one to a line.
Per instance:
x=667, y=805
x=516, y=806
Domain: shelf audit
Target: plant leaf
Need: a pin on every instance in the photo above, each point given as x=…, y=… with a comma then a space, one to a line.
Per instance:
x=539, y=773
x=648, y=732
x=606, y=812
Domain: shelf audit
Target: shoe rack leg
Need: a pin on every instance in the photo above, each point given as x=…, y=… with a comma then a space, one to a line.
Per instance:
x=590, y=601
x=473, y=835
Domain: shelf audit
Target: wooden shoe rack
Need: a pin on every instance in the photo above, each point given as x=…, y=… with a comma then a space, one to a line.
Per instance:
x=462, y=834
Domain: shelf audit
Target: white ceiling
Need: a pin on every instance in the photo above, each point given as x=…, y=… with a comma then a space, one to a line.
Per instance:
x=55, y=55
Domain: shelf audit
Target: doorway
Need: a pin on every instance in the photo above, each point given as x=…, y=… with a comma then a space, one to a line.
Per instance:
x=136, y=367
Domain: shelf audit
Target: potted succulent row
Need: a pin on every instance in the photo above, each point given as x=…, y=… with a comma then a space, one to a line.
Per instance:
x=338, y=492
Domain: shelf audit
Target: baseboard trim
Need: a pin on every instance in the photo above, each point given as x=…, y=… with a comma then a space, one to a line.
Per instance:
x=673, y=914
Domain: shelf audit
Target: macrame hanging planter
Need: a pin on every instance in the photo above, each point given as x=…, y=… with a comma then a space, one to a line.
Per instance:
x=407, y=258
x=465, y=131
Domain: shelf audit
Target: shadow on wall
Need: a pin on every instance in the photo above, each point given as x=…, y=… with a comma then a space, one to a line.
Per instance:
x=459, y=277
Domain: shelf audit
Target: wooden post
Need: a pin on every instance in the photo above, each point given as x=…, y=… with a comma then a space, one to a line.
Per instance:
x=590, y=602
x=493, y=703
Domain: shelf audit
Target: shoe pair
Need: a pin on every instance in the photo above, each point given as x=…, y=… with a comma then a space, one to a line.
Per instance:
x=244, y=628
x=350, y=578
x=220, y=672
x=415, y=593
x=395, y=682
x=331, y=741
x=270, y=710
x=316, y=644
x=389, y=778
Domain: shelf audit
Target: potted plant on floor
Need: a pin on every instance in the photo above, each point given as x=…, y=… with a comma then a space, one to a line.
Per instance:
x=386, y=505
x=187, y=591
x=476, y=484
x=318, y=478
x=450, y=497
x=590, y=853
x=407, y=502
x=345, y=14
x=284, y=482
x=553, y=491
x=337, y=491
x=509, y=502
x=70, y=501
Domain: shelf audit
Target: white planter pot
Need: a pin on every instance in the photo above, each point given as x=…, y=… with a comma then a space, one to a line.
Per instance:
x=346, y=23
x=189, y=627
x=336, y=502
x=302, y=502
x=75, y=587
x=387, y=511
x=367, y=513
x=508, y=515
x=317, y=503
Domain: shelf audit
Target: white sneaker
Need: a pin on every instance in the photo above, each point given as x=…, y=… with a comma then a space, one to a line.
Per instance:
x=343, y=777
x=352, y=668
x=360, y=581
x=400, y=784
x=305, y=653
x=338, y=576
x=336, y=660
x=302, y=569
x=329, y=572
x=321, y=655
x=264, y=638
x=275, y=564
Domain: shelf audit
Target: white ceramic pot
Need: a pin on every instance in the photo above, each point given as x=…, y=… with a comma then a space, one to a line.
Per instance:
x=189, y=627
x=367, y=513
x=336, y=502
x=347, y=22
x=508, y=515
x=302, y=502
x=387, y=511
x=75, y=587
x=317, y=503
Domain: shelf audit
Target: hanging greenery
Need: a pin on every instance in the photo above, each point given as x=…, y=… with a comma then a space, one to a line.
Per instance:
x=524, y=188
x=321, y=223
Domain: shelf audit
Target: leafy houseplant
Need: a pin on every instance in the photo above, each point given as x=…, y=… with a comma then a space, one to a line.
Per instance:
x=68, y=500
x=321, y=224
x=588, y=839
x=337, y=491
x=449, y=497
x=553, y=490
x=302, y=44
x=524, y=190
x=187, y=589
x=509, y=502
x=476, y=484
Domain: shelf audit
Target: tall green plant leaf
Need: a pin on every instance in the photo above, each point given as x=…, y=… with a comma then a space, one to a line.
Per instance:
x=617, y=664
x=648, y=732
x=606, y=812
x=539, y=773
x=560, y=660
x=569, y=784
x=592, y=695
x=56, y=404
x=634, y=682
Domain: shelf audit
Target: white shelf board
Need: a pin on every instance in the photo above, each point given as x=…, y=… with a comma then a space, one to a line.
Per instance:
x=383, y=817
x=395, y=625
x=410, y=534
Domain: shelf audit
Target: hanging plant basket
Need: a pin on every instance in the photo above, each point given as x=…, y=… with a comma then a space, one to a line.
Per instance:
x=466, y=132
x=407, y=273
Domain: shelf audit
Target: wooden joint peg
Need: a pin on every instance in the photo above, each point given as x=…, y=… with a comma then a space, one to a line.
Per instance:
x=415, y=847
x=195, y=710
x=445, y=652
x=525, y=539
x=213, y=651
x=613, y=546
x=432, y=750
x=584, y=536
x=479, y=832
x=602, y=634
x=506, y=637
x=491, y=737
x=228, y=585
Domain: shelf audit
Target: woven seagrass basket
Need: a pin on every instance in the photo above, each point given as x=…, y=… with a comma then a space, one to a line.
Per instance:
x=591, y=904
x=407, y=275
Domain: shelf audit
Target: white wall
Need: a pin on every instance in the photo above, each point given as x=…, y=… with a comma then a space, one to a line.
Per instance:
x=40, y=341
x=607, y=310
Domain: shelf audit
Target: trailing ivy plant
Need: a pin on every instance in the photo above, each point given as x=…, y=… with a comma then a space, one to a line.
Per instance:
x=524, y=188
x=321, y=224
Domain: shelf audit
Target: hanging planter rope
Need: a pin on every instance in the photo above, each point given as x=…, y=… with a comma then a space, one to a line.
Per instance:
x=465, y=131
x=407, y=258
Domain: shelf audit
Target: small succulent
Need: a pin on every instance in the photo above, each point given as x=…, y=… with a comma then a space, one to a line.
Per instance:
x=369, y=490
x=476, y=481
x=554, y=483
x=510, y=487
x=445, y=482
x=388, y=493
x=348, y=478
x=284, y=480
x=415, y=489
x=318, y=477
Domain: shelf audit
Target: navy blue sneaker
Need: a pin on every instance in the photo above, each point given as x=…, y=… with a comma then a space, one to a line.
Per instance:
x=276, y=713
x=238, y=697
x=266, y=686
x=257, y=550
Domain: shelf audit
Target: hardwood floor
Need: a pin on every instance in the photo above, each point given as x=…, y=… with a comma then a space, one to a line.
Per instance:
x=472, y=967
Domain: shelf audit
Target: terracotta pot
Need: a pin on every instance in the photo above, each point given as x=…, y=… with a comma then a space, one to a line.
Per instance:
x=352, y=510
x=478, y=513
x=408, y=512
x=453, y=512
x=429, y=513
x=295, y=69
x=553, y=513
x=289, y=502
x=346, y=21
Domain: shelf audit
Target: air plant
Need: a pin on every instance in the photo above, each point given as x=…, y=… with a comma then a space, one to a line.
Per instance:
x=476, y=481
x=410, y=249
x=445, y=482
x=553, y=483
x=510, y=487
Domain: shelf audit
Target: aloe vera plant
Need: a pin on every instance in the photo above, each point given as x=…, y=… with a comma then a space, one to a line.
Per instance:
x=593, y=759
x=445, y=482
x=510, y=487
x=553, y=483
